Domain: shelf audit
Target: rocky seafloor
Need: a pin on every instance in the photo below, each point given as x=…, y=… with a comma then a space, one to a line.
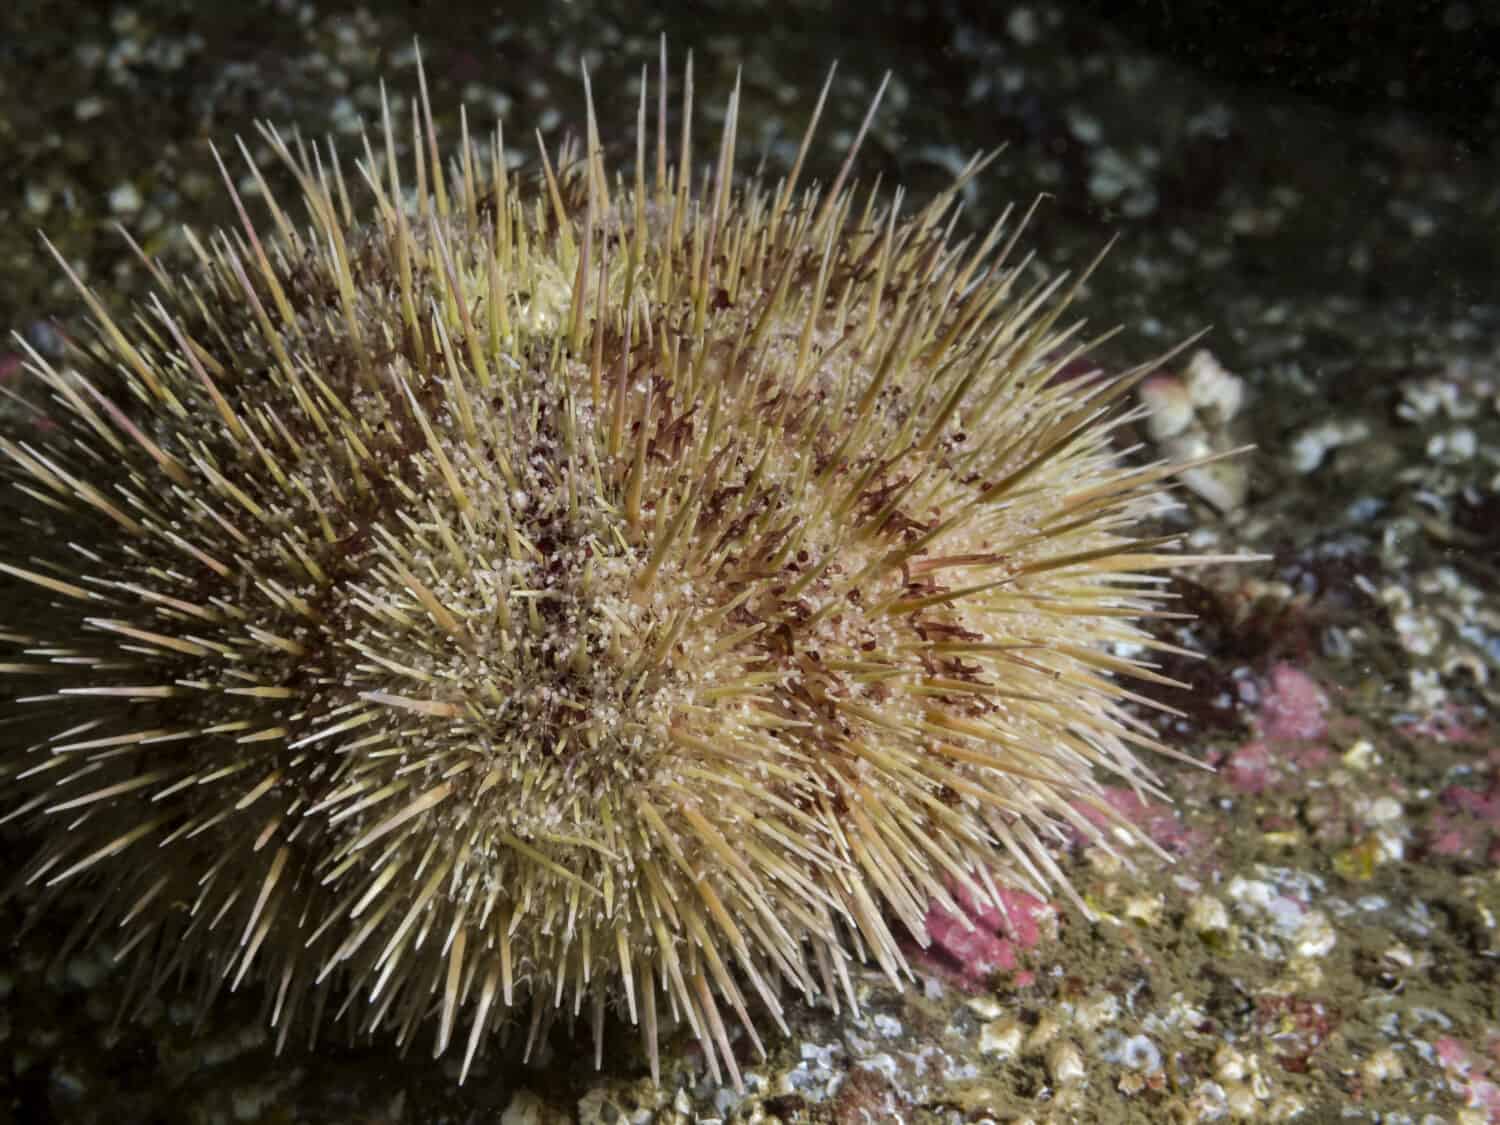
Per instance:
x=1323, y=945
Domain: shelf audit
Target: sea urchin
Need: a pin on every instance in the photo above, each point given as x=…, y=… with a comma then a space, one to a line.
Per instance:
x=624, y=594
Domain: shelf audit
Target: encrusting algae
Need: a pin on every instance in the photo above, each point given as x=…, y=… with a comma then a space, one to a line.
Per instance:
x=633, y=594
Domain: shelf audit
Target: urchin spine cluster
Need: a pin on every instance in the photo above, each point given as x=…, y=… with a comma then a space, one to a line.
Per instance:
x=633, y=593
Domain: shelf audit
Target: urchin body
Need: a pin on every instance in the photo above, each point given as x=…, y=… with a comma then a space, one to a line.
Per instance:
x=618, y=595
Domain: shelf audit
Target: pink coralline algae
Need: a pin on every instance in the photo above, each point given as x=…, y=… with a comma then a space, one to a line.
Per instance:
x=1294, y=709
x=1248, y=769
x=1470, y=1077
x=1449, y=724
x=1158, y=821
x=1466, y=825
x=1290, y=724
x=967, y=947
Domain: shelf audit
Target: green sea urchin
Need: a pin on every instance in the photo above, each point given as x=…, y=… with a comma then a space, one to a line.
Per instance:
x=624, y=594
